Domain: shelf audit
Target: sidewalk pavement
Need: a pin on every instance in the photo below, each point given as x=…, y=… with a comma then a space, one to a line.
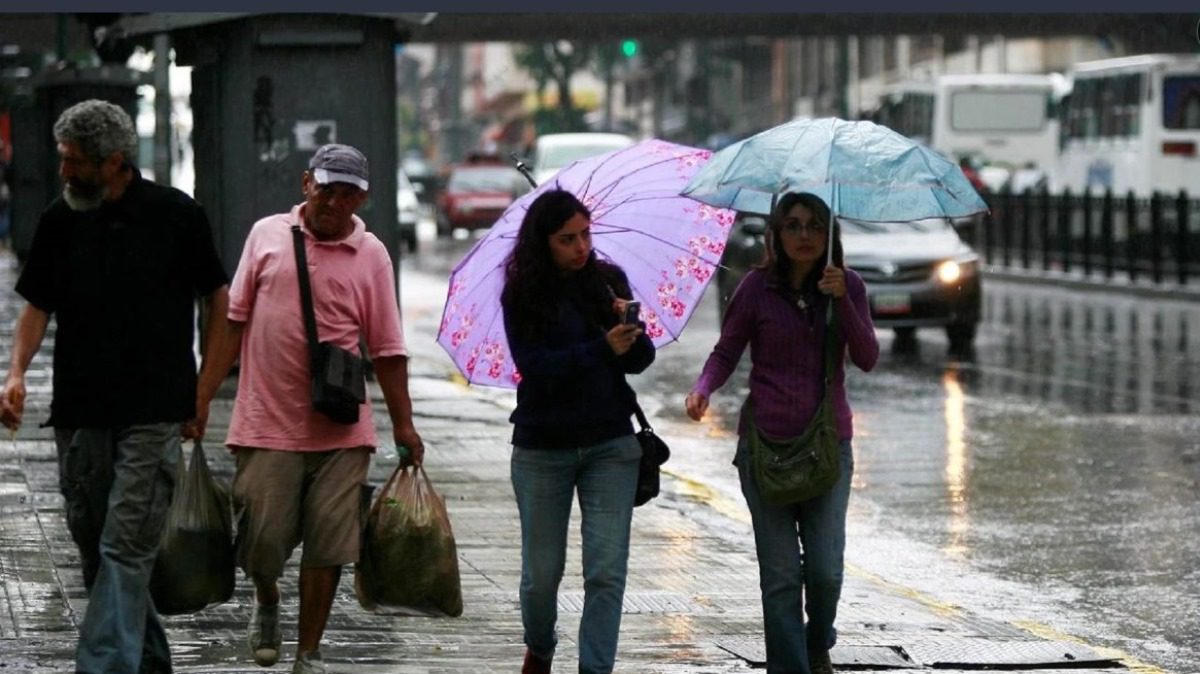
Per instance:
x=692, y=601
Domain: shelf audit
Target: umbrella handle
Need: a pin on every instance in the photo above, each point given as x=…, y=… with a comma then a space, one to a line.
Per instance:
x=520, y=165
x=829, y=245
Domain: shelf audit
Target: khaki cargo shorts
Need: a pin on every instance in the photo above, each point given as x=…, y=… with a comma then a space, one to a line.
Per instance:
x=282, y=499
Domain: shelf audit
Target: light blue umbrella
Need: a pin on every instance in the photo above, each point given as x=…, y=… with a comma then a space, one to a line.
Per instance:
x=862, y=170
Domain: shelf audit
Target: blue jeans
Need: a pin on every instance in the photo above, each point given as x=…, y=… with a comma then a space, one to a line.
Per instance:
x=793, y=583
x=118, y=485
x=545, y=482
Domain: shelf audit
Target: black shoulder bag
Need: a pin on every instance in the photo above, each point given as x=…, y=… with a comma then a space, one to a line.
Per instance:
x=654, y=453
x=338, y=385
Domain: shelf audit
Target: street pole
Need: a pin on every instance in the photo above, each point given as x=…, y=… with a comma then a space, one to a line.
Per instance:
x=843, y=76
x=162, y=109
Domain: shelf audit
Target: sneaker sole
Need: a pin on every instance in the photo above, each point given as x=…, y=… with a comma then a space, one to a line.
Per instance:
x=266, y=657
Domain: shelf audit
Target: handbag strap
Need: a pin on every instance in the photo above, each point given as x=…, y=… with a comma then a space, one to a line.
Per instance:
x=306, y=301
x=637, y=410
x=829, y=347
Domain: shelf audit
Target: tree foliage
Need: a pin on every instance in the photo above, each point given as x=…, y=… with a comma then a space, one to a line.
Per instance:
x=555, y=62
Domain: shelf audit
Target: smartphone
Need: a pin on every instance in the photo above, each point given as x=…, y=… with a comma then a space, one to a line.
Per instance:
x=632, y=309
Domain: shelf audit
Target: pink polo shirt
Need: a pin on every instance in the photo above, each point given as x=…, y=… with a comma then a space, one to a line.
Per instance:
x=354, y=293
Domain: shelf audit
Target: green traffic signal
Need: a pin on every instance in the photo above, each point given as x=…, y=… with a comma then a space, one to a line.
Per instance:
x=629, y=48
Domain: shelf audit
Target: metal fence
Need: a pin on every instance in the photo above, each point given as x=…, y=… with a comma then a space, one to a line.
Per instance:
x=1103, y=236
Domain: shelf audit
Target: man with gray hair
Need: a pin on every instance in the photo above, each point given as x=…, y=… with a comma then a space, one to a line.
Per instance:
x=120, y=262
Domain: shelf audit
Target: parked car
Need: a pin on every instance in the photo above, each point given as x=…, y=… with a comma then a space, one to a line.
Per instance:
x=408, y=210
x=918, y=274
x=554, y=151
x=422, y=176
x=474, y=197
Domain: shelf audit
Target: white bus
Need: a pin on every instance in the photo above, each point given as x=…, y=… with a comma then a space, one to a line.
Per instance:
x=1003, y=121
x=1132, y=123
x=999, y=122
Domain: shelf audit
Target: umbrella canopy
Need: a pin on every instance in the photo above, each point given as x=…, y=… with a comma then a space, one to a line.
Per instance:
x=668, y=246
x=862, y=170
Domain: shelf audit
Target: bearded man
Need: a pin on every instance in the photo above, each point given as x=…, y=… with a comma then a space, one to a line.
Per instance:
x=119, y=262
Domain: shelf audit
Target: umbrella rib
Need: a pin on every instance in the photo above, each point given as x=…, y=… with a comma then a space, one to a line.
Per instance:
x=618, y=229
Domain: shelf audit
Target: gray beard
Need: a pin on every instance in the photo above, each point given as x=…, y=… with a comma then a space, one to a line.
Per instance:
x=80, y=202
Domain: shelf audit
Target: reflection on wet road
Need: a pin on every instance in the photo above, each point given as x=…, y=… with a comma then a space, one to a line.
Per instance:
x=1069, y=460
x=1095, y=353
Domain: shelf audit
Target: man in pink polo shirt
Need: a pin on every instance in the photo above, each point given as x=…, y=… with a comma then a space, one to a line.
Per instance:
x=298, y=472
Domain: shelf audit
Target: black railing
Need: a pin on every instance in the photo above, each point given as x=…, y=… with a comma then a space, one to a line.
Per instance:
x=1094, y=235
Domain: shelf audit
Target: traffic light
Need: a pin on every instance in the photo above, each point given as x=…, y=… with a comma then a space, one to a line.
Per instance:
x=629, y=48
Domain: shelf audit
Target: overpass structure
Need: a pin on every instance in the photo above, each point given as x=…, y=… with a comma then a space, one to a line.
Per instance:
x=1157, y=32
x=1140, y=32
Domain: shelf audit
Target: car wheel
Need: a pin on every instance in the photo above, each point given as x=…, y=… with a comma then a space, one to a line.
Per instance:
x=410, y=240
x=962, y=337
x=444, y=230
x=905, y=334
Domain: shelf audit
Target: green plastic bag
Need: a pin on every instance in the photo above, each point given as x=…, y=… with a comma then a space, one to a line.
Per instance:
x=195, y=564
x=409, y=562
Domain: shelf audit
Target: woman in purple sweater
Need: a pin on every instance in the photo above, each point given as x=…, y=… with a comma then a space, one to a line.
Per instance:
x=779, y=310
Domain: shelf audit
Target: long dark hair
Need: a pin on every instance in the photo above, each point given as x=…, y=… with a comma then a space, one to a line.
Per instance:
x=533, y=285
x=775, y=259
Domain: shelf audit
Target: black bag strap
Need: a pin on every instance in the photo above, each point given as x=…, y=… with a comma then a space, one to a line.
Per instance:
x=637, y=409
x=829, y=347
x=306, y=301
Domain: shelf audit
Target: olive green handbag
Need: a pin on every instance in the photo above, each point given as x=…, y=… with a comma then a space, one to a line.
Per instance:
x=808, y=465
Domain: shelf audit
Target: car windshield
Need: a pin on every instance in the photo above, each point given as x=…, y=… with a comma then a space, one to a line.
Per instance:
x=921, y=226
x=481, y=179
x=558, y=157
x=415, y=166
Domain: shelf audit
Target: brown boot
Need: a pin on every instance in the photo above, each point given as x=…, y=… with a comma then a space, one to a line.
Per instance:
x=534, y=664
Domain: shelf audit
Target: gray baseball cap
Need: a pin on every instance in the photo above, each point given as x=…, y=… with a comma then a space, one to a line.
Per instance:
x=337, y=163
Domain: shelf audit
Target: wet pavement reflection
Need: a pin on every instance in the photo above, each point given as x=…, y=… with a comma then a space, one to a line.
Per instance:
x=1067, y=461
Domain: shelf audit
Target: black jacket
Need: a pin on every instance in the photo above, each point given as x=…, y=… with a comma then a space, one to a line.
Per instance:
x=573, y=391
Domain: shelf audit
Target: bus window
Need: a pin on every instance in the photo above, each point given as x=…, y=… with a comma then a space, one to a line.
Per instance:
x=1181, y=102
x=1131, y=101
x=997, y=110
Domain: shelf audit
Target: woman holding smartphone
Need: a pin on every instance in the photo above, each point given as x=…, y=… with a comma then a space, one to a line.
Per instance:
x=563, y=315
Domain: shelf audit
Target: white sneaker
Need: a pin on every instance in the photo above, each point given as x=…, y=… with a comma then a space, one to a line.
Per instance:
x=263, y=634
x=309, y=663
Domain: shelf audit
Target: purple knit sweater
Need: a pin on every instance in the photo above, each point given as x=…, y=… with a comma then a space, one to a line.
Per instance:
x=785, y=353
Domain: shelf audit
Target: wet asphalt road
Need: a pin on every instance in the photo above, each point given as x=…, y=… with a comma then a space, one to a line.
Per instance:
x=1049, y=479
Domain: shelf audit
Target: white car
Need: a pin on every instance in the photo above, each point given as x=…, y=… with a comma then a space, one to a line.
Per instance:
x=408, y=209
x=553, y=152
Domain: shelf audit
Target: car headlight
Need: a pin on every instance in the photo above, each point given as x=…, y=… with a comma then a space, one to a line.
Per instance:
x=953, y=271
x=949, y=272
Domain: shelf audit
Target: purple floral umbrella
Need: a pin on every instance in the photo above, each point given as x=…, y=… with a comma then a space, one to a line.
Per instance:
x=668, y=245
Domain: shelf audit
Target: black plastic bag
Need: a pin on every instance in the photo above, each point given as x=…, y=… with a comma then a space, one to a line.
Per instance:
x=409, y=561
x=195, y=564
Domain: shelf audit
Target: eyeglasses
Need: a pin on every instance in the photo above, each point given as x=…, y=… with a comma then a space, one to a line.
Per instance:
x=795, y=227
